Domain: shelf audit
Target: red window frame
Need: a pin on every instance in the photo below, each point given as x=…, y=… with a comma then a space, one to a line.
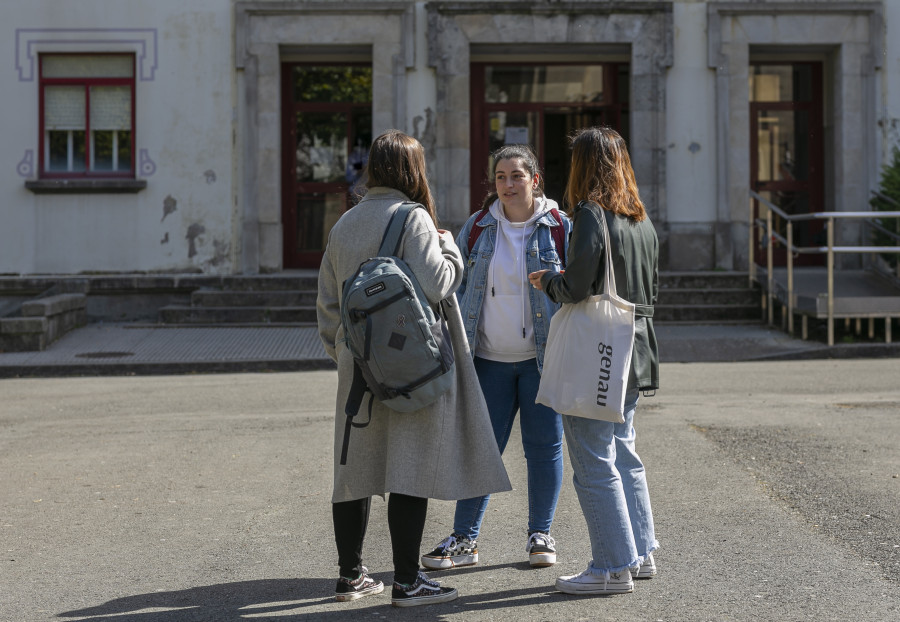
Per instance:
x=87, y=83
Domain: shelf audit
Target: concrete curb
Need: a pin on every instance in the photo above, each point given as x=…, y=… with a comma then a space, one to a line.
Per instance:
x=163, y=368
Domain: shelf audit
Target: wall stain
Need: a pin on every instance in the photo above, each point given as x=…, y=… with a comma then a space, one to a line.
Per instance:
x=165, y=239
x=195, y=230
x=427, y=136
x=221, y=251
x=210, y=176
x=169, y=206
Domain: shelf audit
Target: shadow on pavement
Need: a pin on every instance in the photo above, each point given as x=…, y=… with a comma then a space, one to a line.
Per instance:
x=285, y=599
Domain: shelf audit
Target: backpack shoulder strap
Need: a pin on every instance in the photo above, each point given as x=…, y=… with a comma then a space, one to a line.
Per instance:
x=559, y=236
x=390, y=243
x=475, y=231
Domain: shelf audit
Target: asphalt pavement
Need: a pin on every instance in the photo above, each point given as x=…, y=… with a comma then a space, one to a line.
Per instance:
x=150, y=496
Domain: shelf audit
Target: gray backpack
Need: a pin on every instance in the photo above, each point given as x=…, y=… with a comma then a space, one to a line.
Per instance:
x=400, y=345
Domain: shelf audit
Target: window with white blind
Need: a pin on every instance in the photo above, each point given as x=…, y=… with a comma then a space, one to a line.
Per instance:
x=87, y=115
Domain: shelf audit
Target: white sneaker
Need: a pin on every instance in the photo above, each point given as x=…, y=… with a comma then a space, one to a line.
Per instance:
x=590, y=583
x=647, y=569
x=541, y=549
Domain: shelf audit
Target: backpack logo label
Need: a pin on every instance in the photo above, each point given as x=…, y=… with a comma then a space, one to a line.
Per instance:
x=374, y=289
x=397, y=341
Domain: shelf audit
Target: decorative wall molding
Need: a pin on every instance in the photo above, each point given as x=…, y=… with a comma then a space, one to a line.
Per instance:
x=244, y=11
x=146, y=166
x=850, y=36
x=643, y=30
x=25, y=167
x=29, y=41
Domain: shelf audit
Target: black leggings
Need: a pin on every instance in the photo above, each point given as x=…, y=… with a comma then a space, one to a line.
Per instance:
x=406, y=522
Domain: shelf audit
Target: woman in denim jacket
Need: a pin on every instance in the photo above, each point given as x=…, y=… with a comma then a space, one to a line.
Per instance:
x=507, y=323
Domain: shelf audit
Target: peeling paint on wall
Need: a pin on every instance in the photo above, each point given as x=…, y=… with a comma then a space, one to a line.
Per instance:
x=221, y=252
x=169, y=206
x=427, y=137
x=195, y=230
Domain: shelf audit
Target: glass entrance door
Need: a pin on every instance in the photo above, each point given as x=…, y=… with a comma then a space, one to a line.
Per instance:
x=541, y=105
x=786, y=158
x=326, y=133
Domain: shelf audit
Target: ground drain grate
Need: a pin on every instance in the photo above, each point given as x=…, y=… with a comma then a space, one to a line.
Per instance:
x=103, y=355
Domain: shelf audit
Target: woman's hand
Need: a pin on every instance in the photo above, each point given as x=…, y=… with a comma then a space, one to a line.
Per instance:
x=535, y=279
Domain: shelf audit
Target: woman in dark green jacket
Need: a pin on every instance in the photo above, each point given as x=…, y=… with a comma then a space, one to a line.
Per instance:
x=608, y=474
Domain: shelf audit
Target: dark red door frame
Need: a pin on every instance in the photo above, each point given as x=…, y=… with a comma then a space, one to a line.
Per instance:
x=813, y=185
x=479, y=185
x=294, y=257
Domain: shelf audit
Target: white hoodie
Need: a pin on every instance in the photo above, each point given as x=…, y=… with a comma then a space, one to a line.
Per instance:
x=505, y=327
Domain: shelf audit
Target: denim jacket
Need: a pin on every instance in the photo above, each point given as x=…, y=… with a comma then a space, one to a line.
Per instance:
x=541, y=255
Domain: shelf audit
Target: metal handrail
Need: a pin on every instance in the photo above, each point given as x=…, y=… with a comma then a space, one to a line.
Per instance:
x=886, y=198
x=830, y=250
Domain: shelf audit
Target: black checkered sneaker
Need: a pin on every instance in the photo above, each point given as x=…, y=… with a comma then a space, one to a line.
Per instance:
x=423, y=591
x=455, y=550
x=541, y=549
x=363, y=585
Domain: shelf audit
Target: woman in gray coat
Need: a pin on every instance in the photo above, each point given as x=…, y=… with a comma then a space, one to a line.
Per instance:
x=443, y=451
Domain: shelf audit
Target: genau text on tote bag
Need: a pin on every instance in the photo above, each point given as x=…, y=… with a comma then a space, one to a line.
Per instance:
x=588, y=355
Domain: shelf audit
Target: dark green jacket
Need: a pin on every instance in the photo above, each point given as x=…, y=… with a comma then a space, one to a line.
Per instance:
x=635, y=251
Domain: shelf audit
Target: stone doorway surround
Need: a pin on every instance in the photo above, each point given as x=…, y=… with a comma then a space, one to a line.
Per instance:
x=262, y=31
x=852, y=35
x=642, y=28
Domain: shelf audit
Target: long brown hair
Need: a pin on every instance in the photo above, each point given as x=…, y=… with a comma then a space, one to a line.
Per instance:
x=601, y=172
x=513, y=152
x=397, y=160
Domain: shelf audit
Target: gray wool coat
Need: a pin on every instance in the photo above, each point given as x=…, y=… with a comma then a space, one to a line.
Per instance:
x=446, y=450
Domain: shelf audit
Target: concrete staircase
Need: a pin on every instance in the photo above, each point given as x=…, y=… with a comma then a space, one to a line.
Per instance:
x=707, y=298
x=265, y=300
x=248, y=301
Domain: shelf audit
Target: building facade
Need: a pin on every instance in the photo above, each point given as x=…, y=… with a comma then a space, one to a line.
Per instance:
x=225, y=137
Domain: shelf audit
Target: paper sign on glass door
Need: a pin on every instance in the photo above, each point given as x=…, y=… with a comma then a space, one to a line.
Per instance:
x=516, y=136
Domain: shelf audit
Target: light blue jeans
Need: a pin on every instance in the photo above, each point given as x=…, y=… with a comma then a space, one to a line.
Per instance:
x=611, y=484
x=508, y=388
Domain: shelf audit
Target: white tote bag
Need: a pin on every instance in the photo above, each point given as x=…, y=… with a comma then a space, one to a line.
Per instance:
x=588, y=355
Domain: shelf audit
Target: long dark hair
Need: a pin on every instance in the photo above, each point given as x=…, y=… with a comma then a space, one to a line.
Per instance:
x=601, y=172
x=513, y=152
x=397, y=160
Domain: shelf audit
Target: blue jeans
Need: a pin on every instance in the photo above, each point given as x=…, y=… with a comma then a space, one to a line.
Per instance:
x=612, y=489
x=508, y=388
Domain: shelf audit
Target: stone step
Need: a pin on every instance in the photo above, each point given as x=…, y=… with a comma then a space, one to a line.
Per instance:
x=252, y=298
x=268, y=283
x=706, y=313
x=712, y=279
x=183, y=314
x=729, y=296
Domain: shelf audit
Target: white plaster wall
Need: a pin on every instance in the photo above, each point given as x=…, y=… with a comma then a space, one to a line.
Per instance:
x=183, y=121
x=690, y=119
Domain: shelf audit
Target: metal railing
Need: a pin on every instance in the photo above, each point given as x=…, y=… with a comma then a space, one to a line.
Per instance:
x=830, y=250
